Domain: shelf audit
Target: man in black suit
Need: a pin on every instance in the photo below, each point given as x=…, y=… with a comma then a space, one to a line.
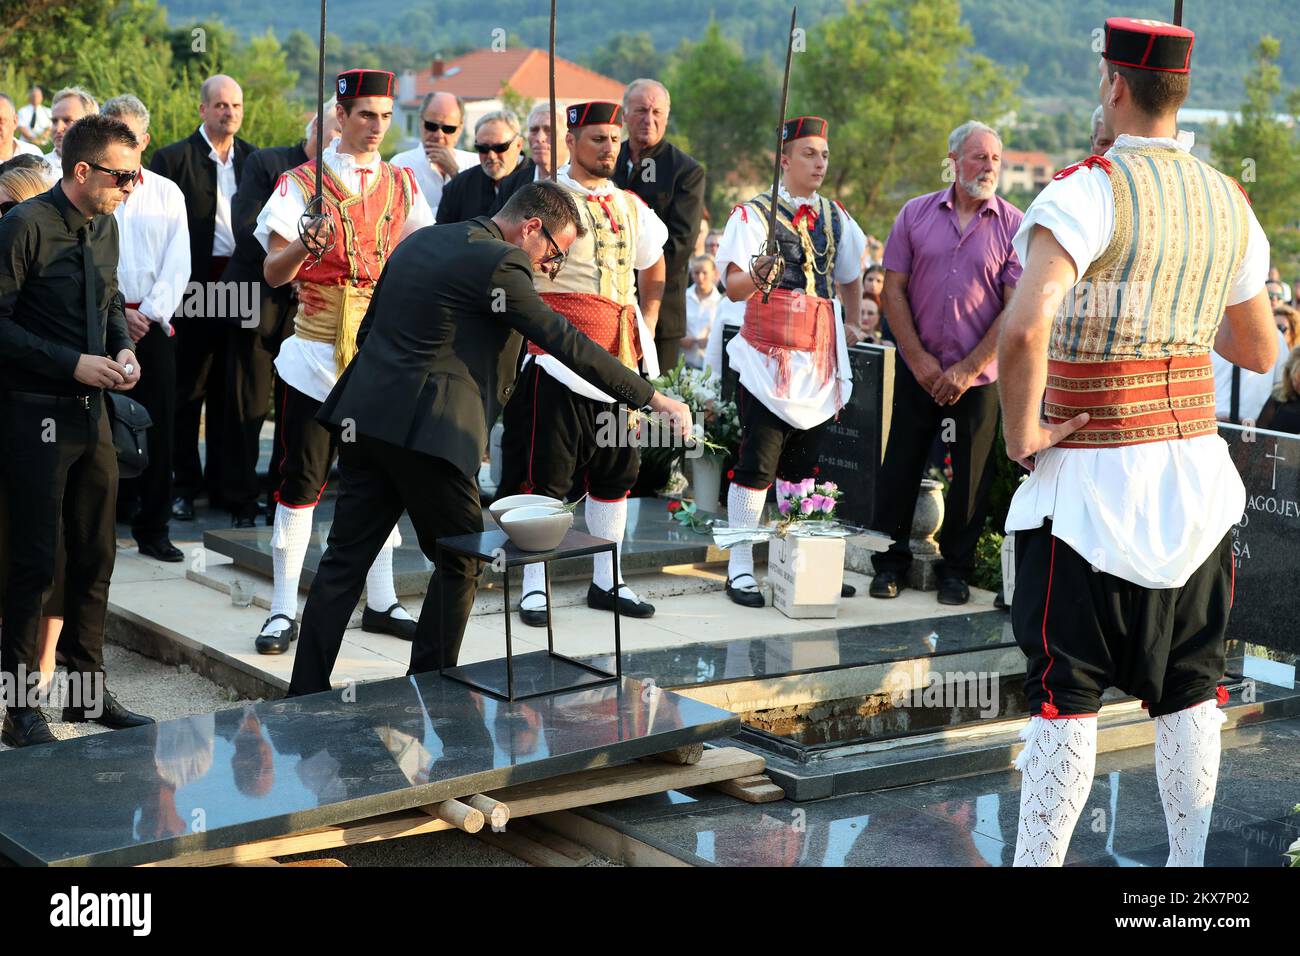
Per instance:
x=672, y=184
x=253, y=345
x=444, y=330
x=207, y=166
x=501, y=171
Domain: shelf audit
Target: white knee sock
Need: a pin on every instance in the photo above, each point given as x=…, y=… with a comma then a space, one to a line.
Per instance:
x=381, y=593
x=1057, y=765
x=744, y=508
x=289, y=541
x=534, y=580
x=608, y=520
x=1187, y=767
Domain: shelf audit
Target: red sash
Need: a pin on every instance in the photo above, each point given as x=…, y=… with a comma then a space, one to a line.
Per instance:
x=792, y=321
x=605, y=322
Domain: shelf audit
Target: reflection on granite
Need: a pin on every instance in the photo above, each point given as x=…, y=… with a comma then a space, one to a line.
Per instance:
x=536, y=672
x=652, y=540
x=216, y=780
x=782, y=655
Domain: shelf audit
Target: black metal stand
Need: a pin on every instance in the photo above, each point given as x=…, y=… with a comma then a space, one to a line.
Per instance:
x=495, y=548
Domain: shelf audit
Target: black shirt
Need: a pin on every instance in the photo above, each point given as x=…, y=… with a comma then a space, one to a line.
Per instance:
x=472, y=193
x=44, y=327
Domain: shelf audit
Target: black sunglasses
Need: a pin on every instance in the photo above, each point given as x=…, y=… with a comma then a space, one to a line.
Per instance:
x=556, y=260
x=435, y=127
x=123, y=177
x=498, y=148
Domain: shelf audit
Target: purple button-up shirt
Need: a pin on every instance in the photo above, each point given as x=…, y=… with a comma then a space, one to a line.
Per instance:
x=954, y=278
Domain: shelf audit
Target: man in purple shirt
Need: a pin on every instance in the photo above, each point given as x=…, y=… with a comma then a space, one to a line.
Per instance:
x=949, y=272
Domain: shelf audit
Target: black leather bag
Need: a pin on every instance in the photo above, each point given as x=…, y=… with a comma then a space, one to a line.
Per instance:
x=130, y=423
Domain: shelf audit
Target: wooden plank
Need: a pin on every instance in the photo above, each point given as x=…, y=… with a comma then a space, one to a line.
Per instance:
x=690, y=754
x=754, y=793
x=607, y=841
x=538, y=833
x=525, y=849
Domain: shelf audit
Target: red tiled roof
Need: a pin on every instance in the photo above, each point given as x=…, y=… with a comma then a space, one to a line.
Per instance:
x=1025, y=158
x=481, y=74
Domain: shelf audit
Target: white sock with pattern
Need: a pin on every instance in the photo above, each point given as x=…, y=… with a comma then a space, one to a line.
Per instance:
x=1187, y=768
x=534, y=580
x=744, y=508
x=381, y=591
x=1056, y=766
x=290, y=538
x=608, y=520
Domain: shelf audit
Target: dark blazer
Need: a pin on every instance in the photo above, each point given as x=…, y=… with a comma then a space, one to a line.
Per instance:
x=471, y=193
x=673, y=186
x=262, y=170
x=188, y=165
x=444, y=330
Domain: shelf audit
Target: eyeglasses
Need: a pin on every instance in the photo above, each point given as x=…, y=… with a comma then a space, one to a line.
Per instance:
x=553, y=263
x=122, y=177
x=435, y=127
x=498, y=148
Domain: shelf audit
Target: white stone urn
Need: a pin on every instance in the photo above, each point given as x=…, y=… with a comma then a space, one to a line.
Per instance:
x=927, y=519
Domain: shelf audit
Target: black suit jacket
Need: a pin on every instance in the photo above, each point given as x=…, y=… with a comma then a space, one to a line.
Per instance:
x=444, y=330
x=188, y=165
x=262, y=170
x=471, y=193
x=673, y=186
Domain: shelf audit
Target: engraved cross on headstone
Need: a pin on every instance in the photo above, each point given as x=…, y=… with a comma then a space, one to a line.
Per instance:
x=1276, y=458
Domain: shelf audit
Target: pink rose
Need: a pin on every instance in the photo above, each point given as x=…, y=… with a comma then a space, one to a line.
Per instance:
x=783, y=506
x=807, y=485
x=806, y=506
x=784, y=489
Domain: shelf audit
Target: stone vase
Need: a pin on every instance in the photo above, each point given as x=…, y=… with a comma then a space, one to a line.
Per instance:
x=927, y=519
x=706, y=482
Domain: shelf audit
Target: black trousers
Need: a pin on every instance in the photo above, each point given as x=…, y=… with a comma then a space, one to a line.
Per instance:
x=376, y=482
x=156, y=391
x=1083, y=630
x=917, y=420
x=61, y=468
x=771, y=447
x=249, y=378
x=307, y=450
x=555, y=439
x=201, y=350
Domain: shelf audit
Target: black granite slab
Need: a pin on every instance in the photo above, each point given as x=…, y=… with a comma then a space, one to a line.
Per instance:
x=1266, y=538
x=854, y=442
x=784, y=655
x=652, y=540
x=217, y=780
x=535, y=673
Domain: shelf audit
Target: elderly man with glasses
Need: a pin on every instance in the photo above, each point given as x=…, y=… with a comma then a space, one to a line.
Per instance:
x=502, y=171
x=435, y=160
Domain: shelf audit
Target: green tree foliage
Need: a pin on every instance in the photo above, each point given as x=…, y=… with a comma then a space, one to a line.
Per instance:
x=626, y=57
x=1262, y=152
x=893, y=78
x=723, y=112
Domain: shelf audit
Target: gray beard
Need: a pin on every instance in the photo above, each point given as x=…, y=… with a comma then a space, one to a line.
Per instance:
x=977, y=190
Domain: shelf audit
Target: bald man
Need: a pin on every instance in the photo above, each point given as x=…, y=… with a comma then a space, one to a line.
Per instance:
x=436, y=160
x=11, y=146
x=207, y=166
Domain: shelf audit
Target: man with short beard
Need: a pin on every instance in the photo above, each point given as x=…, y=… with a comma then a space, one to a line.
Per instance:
x=949, y=272
x=502, y=171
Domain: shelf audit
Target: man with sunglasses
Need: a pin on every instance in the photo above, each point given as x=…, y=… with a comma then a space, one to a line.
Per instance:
x=443, y=331
x=371, y=207
x=562, y=429
x=501, y=172
x=63, y=340
x=436, y=160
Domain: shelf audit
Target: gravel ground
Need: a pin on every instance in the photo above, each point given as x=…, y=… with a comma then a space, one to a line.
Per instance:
x=166, y=692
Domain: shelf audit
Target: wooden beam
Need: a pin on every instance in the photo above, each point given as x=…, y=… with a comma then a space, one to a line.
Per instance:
x=690, y=754
x=525, y=849
x=495, y=812
x=535, y=830
x=607, y=841
x=460, y=815
x=754, y=789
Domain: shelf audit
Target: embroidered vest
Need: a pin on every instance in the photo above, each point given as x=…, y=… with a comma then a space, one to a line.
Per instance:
x=1159, y=289
x=602, y=261
x=807, y=247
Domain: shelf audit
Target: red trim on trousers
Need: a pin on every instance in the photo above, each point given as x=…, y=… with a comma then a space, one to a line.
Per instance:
x=1050, y=659
x=1232, y=594
x=751, y=487
x=532, y=439
x=608, y=501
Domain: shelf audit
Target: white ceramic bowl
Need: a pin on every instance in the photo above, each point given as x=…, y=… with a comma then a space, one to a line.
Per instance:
x=536, y=528
x=509, y=503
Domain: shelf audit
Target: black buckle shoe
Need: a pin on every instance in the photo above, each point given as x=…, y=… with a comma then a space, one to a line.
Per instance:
x=183, y=508
x=533, y=617
x=243, y=521
x=747, y=596
x=111, y=714
x=953, y=590
x=161, y=550
x=383, y=622
x=279, y=641
x=886, y=584
x=602, y=600
x=26, y=727
x=847, y=590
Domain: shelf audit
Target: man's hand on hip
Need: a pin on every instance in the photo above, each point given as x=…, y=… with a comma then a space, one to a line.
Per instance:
x=1022, y=449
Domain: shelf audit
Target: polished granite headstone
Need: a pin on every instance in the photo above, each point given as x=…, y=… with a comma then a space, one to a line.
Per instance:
x=652, y=541
x=1267, y=539
x=854, y=444
x=274, y=768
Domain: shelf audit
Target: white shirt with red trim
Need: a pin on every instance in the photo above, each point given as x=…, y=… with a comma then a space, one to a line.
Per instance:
x=1152, y=513
x=309, y=366
x=808, y=402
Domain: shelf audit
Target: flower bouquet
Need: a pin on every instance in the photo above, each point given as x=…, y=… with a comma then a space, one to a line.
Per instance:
x=806, y=500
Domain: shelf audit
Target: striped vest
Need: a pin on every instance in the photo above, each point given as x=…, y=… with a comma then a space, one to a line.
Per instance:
x=1130, y=344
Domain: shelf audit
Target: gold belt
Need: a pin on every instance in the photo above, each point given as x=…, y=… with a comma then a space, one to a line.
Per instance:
x=332, y=314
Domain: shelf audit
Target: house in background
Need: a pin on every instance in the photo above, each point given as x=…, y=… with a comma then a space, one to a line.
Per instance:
x=479, y=77
x=1025, y=171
